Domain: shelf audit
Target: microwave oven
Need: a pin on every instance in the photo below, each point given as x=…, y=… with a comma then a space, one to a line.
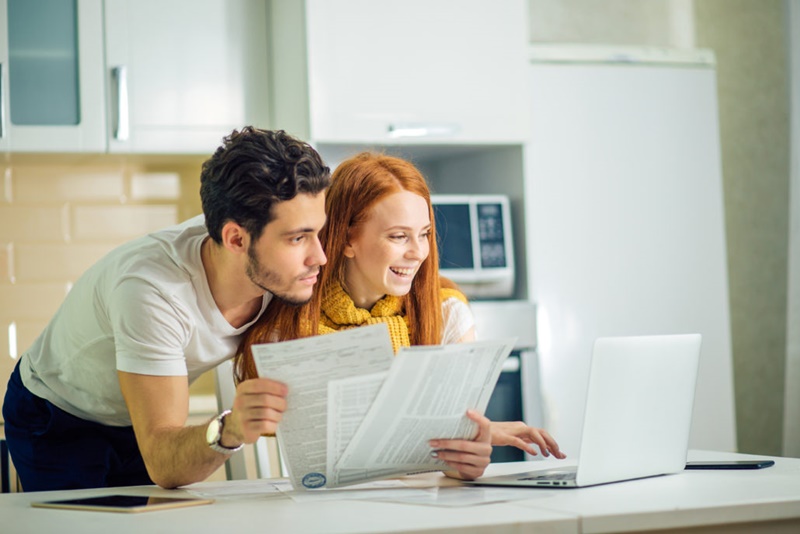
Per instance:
x=476, y=247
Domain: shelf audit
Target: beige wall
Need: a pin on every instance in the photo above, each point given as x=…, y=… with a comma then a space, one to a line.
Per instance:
x=791, y=416
x=619, y=22
x=749, y=39
x=59, y=214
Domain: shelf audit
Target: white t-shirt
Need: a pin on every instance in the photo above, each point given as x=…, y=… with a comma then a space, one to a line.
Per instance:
x=145, y=308
x=458, y=319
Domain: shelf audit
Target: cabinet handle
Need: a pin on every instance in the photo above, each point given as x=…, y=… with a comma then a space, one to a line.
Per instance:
x=2, y=104
x=121, y=128
x=422, y=129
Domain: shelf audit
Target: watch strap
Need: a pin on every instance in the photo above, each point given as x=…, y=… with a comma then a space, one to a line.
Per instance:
x=215, y=443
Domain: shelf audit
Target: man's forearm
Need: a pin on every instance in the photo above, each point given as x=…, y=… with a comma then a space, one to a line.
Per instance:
x=180, y=456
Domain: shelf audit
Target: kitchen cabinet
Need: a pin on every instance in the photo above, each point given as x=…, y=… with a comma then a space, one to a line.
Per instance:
x=388, y=72
x=182, y=74
x=130, y=76
x=51, y=76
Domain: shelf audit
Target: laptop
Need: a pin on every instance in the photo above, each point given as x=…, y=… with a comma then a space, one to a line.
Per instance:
x=637, y=418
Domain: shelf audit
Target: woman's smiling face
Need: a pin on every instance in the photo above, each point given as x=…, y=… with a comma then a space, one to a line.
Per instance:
x=385, y=252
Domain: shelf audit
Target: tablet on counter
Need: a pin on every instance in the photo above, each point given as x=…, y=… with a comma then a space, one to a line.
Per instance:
x=123, y=503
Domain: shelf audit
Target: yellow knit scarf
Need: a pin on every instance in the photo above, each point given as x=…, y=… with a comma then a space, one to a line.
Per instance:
x=339, y=312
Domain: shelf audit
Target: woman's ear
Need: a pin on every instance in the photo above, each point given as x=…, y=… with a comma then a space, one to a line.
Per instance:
x=348, y=251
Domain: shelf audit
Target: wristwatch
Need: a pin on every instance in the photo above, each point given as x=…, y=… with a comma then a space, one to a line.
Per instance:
x=214, y=435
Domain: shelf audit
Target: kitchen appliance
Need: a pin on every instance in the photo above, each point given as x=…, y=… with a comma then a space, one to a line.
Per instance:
x=625, y=220
x=476, y=248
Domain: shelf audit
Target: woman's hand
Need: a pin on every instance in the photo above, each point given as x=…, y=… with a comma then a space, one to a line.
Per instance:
x=468, y=458
x=521, y=436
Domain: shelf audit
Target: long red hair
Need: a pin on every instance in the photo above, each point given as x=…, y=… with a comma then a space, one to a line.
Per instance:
x=357, y=185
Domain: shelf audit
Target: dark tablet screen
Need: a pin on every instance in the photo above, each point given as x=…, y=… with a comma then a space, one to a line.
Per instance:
x=123, y=503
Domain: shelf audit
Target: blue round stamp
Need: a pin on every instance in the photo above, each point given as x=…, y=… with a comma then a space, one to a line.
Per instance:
x=314, y=480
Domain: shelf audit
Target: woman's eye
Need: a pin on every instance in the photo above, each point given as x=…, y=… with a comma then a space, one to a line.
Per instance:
x=398, y=237
x=297, y=239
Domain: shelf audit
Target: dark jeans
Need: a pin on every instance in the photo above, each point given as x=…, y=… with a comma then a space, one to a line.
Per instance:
x=54, y=450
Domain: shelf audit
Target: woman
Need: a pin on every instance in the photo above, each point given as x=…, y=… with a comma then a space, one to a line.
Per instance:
x=383, y=267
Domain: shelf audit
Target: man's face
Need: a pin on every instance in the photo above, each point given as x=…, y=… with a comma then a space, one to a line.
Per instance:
x=286, y=258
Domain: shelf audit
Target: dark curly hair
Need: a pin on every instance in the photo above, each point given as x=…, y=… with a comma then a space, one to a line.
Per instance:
x=251, y=172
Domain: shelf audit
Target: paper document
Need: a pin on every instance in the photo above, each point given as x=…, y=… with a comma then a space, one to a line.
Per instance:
x=349, y=400
x=425, y=396
x=307, y=365
x=356, y=413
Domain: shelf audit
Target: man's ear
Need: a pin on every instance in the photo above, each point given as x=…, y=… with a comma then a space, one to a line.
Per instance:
x=235, y=238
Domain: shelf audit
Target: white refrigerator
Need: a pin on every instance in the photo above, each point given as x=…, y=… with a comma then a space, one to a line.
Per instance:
x=624, y=222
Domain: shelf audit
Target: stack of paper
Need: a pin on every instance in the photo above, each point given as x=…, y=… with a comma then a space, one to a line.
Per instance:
x=356, y=413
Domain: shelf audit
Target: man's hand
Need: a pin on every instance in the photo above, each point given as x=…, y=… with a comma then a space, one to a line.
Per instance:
x=468, y=458
x=257, y=410
x=521, y=436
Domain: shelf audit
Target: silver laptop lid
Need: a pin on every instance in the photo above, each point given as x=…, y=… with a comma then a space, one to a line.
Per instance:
x=638, y=407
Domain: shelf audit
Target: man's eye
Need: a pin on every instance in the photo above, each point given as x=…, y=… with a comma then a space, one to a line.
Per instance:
x=298, y=239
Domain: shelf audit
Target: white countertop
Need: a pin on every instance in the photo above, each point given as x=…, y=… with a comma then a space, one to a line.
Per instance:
x=688, y=499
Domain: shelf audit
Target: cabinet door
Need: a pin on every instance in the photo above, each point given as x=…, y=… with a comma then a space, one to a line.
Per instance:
x=51, y=92
x=184, y=73
x=419, y=70
x=4, y=143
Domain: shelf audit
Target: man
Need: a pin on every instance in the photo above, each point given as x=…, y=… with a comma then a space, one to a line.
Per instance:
x=102, y=396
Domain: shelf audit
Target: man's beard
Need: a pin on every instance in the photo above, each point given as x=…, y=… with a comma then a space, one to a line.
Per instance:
x=265, y=278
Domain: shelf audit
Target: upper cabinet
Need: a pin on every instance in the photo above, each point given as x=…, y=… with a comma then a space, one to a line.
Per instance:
x=390, y=72
x=130, y=76
x=181, y=74
x=51, y=76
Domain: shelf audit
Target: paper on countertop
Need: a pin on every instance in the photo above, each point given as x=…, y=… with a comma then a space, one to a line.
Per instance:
x=398, y=492
x=241, y=488
x=377, y=491
x=456, y=496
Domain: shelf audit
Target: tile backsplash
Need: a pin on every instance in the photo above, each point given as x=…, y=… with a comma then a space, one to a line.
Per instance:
x=60, y=214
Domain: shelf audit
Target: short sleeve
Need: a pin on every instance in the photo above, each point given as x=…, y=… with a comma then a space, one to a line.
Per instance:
x=458, y=320
x=150, y=331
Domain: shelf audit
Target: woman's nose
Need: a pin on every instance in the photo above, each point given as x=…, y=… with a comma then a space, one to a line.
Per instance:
x=417, y=249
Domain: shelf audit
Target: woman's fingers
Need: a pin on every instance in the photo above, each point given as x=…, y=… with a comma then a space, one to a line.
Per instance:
x=468, y=457
x=520, y=435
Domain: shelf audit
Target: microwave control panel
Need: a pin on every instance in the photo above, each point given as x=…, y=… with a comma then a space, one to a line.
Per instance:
x=491, y=235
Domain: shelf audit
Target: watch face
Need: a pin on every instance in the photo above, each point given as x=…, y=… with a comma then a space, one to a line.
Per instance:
x=212, y=432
